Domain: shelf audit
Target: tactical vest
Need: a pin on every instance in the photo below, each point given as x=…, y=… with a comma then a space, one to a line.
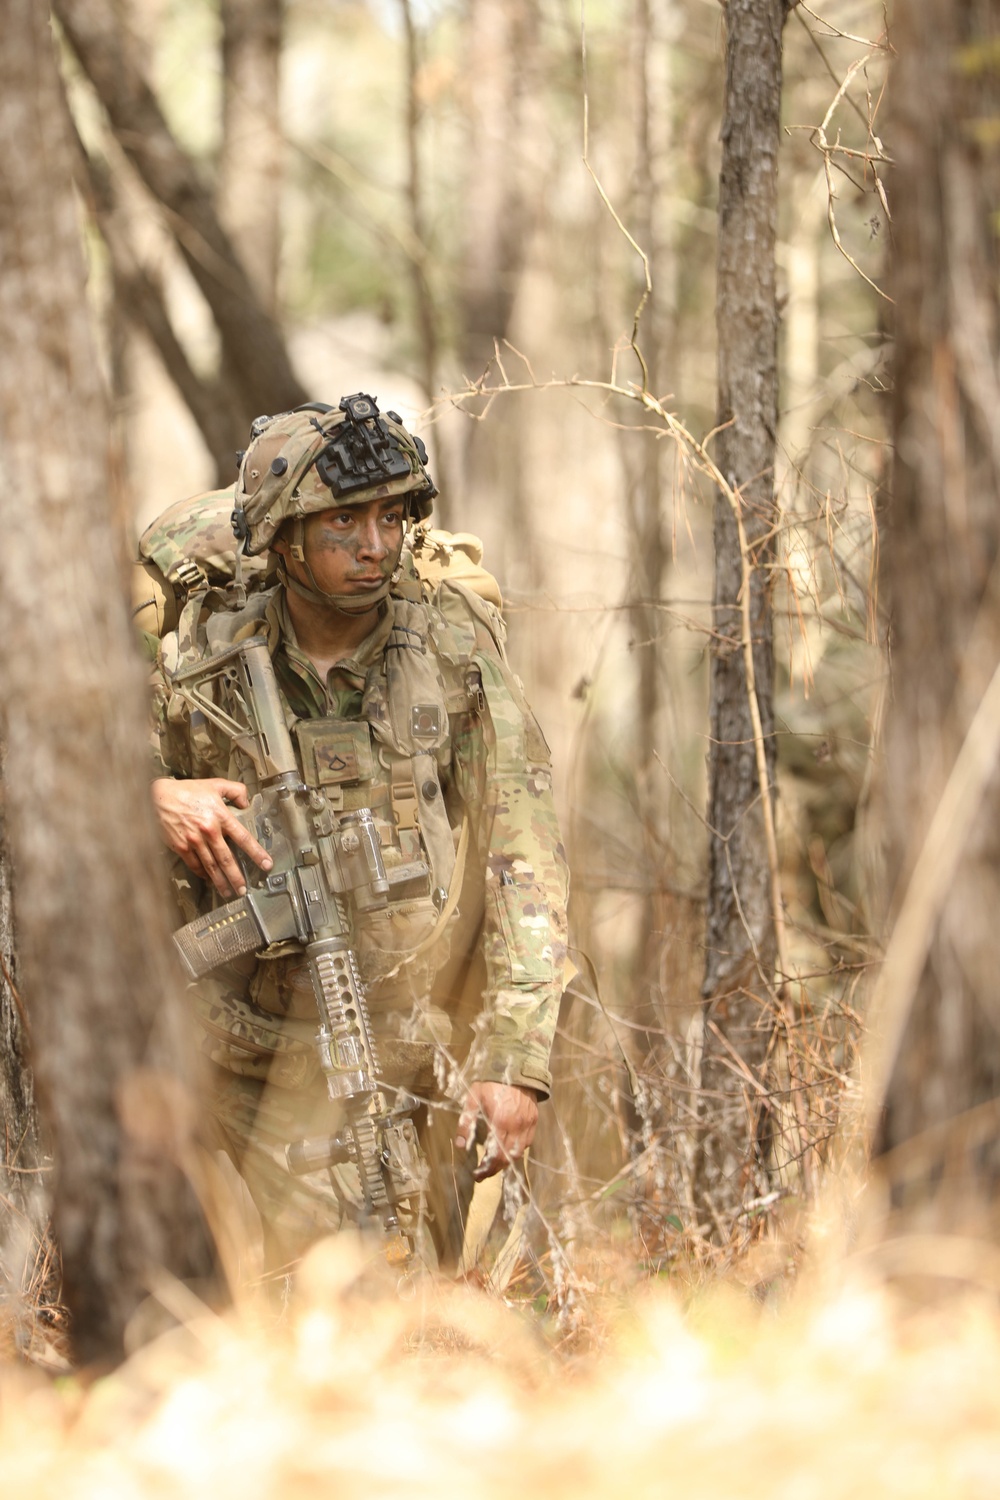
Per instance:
x=396, y=760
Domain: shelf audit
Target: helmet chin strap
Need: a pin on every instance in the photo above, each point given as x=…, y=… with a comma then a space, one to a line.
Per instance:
x=347, y=604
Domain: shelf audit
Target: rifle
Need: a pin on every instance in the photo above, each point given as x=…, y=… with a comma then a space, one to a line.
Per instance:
x=324, y=864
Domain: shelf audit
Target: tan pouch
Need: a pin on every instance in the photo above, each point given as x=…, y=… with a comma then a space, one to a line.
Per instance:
x=335, y=751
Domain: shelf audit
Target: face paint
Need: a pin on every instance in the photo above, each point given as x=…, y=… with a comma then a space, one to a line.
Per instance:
x=368, y=542
x=350, y=553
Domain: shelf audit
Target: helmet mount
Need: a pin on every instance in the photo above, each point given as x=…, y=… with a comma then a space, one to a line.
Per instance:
x=362, y=452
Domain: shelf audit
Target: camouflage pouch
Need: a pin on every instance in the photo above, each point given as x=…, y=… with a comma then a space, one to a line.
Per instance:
x=335, y=752
x=186, y=548
x=450, y=557
x=386, y=938
x=521, y=915
x=240, y=1037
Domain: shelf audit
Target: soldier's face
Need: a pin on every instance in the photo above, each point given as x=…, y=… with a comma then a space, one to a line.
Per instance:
x=351, y=549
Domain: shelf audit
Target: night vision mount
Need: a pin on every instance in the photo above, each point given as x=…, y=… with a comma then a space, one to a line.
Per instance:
x=362, y=452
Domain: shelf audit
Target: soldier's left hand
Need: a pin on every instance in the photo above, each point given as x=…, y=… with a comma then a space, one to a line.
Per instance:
x=511, y=1115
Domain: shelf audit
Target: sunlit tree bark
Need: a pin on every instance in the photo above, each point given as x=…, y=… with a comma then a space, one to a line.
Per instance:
x=643, y=459
x=943, y=1024
x=94, y=965
x=642, y=455
x=500, y=45
x=504, y=182
x=732, y=1151
x=425, y=308
x=250, y=163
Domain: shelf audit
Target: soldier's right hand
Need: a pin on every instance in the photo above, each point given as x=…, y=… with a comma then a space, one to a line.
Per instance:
x=196, y=819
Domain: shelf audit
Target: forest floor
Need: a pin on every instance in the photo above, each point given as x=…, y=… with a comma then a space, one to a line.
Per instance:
x=833, y=1384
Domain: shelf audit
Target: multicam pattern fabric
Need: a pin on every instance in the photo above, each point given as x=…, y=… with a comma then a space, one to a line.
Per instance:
x=195, y=533
x=491, y=764
x=189, y=546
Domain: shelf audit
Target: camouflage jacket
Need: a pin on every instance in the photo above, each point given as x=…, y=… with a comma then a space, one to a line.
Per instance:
x=488, y=765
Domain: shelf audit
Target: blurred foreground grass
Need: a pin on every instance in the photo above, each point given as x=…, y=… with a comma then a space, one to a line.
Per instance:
x=844, y=1390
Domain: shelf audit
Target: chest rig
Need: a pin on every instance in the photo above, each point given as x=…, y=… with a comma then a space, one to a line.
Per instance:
x=394, y=760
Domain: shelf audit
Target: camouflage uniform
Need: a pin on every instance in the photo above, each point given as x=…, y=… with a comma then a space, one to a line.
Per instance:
x=477, y=757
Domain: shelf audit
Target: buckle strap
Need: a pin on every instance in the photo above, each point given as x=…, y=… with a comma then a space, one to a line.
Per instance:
x=404, y=794
x=190, y=575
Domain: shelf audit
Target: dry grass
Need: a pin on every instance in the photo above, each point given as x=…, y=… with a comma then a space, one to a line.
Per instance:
x=354, y=1391
x=33, y=1324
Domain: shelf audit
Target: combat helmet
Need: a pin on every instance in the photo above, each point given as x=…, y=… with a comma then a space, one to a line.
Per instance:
x=318, y=456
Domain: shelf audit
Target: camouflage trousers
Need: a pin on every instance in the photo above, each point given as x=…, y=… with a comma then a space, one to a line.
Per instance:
x=253, y=1121
x=264, y=1090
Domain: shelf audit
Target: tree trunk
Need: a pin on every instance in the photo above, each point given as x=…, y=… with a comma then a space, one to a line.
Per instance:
x=255, y=359
x=505, y=181
x=19, y=1147
x=642, y=459
x=94, y=963
x=942, y=1027
x=139, y=300
x=642, y=454
x=29, y=1268
x=501, y=46
x=250, y=165
x=732, y=1150
x=424, y=303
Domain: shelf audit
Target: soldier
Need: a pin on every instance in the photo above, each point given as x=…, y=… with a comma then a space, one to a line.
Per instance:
x=400, y=699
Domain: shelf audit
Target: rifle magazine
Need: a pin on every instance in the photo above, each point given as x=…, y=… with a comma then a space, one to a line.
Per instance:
x=218, y=938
